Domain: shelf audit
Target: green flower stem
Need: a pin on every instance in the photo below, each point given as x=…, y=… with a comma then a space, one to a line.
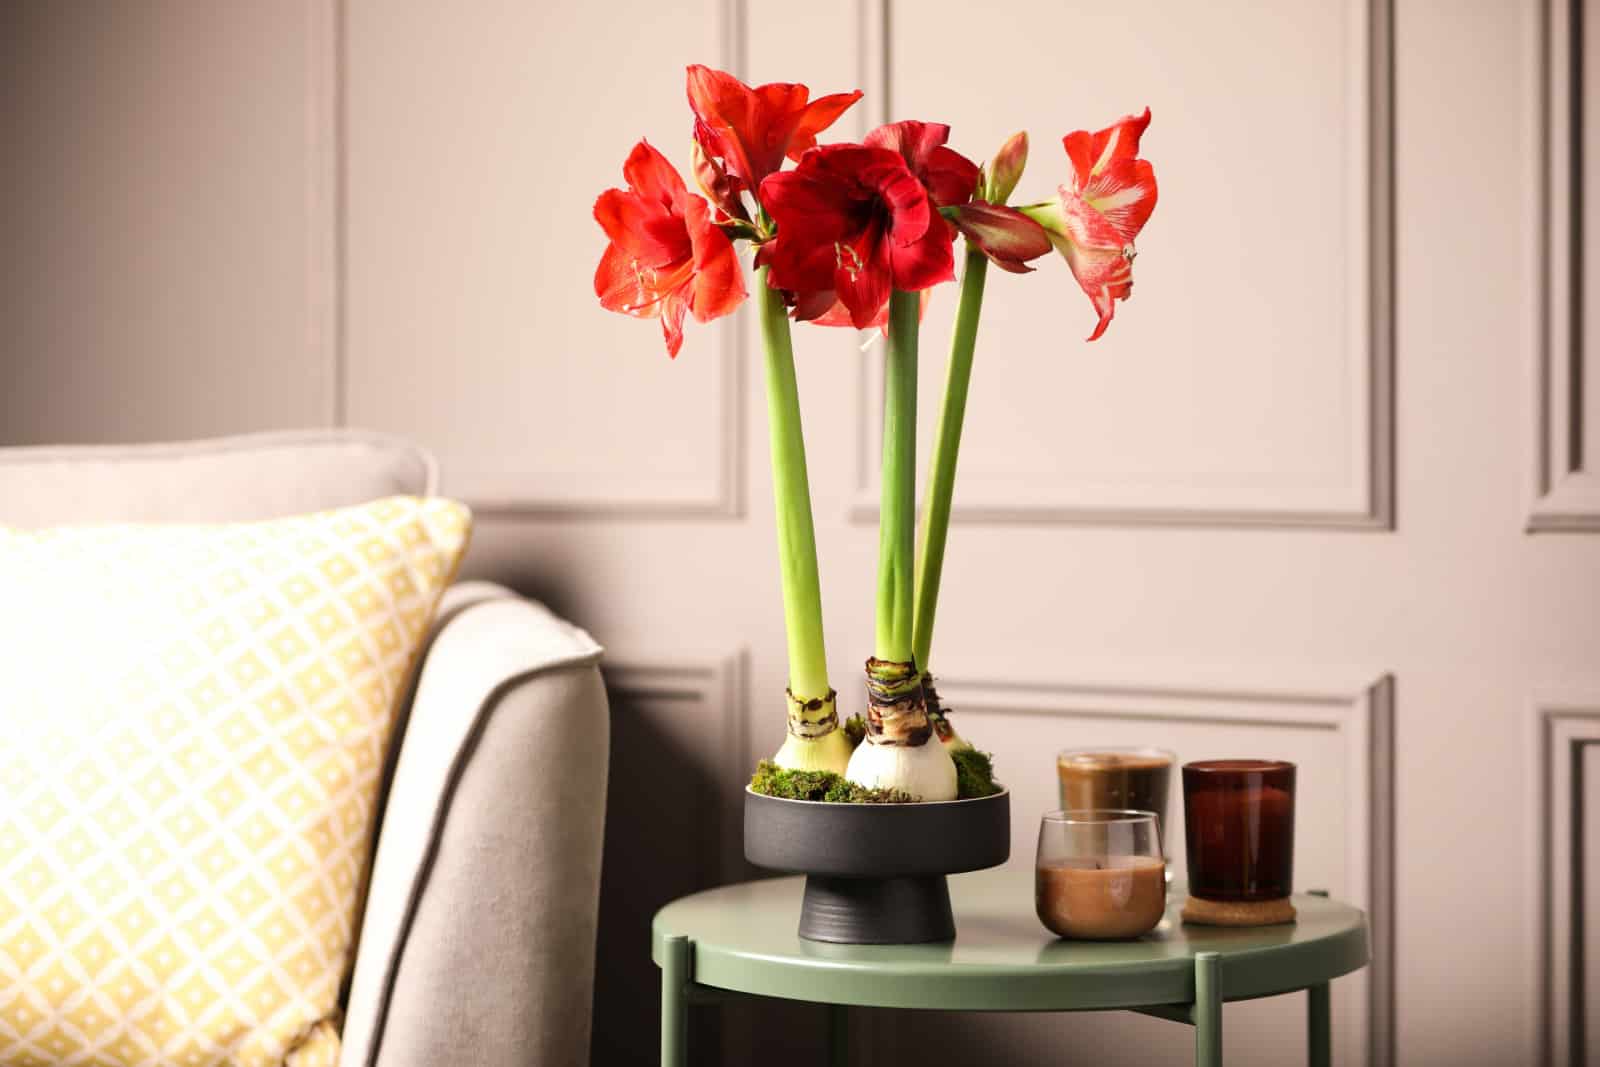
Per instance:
x=942, y=473
x=898, y=511
x=791, y=493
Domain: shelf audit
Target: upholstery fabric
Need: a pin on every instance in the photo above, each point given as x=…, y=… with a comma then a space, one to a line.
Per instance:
x=458, y=960
x=480, y=925
x=197, y=719
x=232, y=479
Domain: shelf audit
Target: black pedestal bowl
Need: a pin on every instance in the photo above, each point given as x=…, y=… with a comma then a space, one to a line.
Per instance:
x=875, y=873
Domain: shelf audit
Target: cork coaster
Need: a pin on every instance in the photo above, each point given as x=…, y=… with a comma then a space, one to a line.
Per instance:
x=1238, y=913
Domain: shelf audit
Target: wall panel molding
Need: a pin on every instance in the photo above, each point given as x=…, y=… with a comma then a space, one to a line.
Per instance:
x=1362, y=718
x=1367, y=502
x=677, y=741
x=1567, y=736
x=1566, y=495
x=714, y=692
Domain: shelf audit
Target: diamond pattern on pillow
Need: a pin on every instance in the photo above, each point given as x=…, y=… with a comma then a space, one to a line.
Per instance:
x=193, y=721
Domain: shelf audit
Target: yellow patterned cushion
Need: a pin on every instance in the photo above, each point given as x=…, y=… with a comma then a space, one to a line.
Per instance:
x=193, y=723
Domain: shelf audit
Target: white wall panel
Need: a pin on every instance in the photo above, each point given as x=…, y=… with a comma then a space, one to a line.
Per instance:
x=477, y=141
x=1568, y=828
x=1567, y=383
x=1248, y=379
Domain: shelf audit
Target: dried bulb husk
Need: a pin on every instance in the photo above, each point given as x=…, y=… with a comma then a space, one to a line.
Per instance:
x=813, y=740
x=943, y=728
x=896, y=753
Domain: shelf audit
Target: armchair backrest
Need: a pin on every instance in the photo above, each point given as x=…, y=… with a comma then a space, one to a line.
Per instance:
x=228, y=479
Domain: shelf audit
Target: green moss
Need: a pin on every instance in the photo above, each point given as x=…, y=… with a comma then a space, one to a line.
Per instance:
x=855, y=728
x=974, y=774
x=773, y=781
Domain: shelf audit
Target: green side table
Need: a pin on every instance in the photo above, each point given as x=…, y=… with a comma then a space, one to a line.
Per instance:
x=741, y=938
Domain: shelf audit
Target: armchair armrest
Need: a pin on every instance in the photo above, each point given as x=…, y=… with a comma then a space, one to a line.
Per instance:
x=477, y=944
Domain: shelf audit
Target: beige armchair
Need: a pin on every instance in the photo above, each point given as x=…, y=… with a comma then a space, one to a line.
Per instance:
x=477, y=942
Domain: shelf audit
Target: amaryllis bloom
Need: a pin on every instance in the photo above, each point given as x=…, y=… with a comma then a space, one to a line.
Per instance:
x=666, y=256
x=749, y=131
x=854, y=223
x=948, y=178
x=1099, y=212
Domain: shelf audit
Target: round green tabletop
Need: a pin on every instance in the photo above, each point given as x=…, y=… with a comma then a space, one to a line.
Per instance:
x=743, y=938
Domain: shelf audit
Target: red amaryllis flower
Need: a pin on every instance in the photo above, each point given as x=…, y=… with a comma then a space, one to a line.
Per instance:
x=751, y=130
x=666, y=256
x=854, y=220
x=946, y=175
x=1099, y=212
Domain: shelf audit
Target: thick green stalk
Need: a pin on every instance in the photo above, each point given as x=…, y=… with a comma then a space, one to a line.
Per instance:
x=898, y=511
x=942, y=472
x=791, y=493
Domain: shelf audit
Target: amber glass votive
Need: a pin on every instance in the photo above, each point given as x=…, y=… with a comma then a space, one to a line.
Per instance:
x=1239, y=828
x=1135, y=779
x=1100, y=875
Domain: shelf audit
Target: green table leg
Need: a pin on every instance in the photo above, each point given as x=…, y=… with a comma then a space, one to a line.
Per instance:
x=675, y=1002
x=1207, y=1009
x=838, y=1035
x=1319, y=1032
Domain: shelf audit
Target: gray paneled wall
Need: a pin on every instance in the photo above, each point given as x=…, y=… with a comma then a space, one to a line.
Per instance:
x=1326, y=489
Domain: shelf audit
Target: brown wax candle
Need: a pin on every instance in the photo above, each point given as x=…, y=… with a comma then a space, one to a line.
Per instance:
x=1104, y=898
x=1110, y=779
x=1239, y=827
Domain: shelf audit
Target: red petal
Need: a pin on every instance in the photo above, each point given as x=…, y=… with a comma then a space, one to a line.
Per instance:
x=616, y=283
x=818, y=116
x=1100, y=260
x=718, y=286
x=1092, y=153
x=910, y=214
x=752, y=129
x=643, y=228
x=672, y=321
x=924, y=263
x=723, y=106
x=912, y=140
x=820, y=306
x=652, y=177
x=1125, y=193
x=862, y=277
x=949, y=177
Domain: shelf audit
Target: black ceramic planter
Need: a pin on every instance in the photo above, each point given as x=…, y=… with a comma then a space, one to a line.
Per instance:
x=875, y=873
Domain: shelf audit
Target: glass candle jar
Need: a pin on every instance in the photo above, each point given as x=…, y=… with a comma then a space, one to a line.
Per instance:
x=1136, y=779
x=1100, y=875
x=1239, y=828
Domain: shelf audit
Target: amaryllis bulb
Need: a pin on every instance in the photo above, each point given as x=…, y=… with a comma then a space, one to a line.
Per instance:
x=830, y=752
x=925, y=771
